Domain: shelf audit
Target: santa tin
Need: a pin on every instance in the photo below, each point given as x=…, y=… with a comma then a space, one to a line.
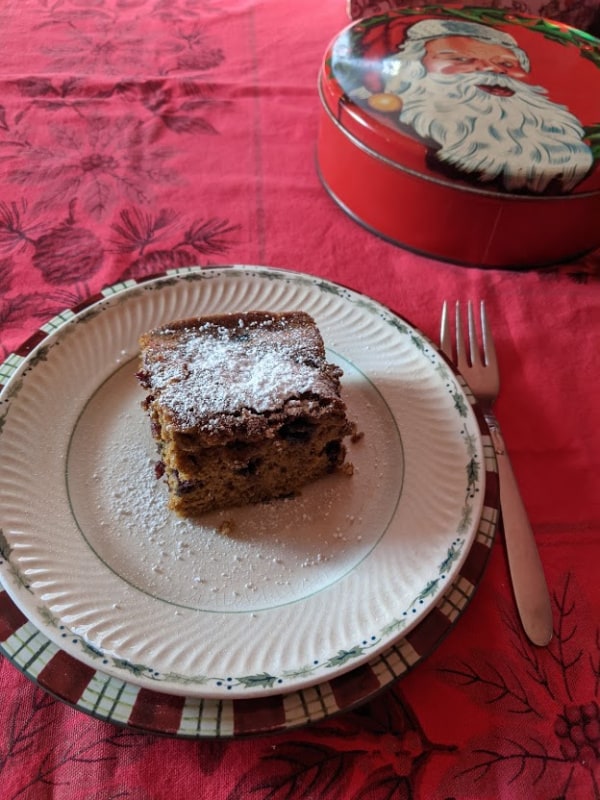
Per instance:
x=470, y=135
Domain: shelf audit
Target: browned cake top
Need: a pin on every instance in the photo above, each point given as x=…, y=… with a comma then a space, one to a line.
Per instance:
x=201, y=369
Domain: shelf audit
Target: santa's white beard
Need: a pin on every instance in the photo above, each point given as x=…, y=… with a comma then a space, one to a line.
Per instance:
x=525, y=139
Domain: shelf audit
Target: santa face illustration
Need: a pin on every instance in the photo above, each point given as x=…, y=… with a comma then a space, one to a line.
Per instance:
x=459, y=86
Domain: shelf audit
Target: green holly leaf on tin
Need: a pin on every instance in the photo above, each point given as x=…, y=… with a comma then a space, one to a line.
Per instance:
x=264, y=679
x=343, y=656
x=561, y=34
x=592, y=134
x=590, y=52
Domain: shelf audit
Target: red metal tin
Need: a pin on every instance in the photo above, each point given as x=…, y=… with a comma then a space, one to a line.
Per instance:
x=470, y=135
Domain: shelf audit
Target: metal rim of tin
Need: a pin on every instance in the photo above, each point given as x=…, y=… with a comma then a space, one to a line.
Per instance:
x=439, y=181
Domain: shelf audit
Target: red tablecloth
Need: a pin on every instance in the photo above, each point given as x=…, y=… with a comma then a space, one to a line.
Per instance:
x=137, y=136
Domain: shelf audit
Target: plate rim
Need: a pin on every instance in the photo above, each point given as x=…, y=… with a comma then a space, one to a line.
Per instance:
x=130, y=706
x=33, y=348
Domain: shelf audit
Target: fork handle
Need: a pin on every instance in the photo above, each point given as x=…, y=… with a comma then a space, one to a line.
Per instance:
x=528, y=580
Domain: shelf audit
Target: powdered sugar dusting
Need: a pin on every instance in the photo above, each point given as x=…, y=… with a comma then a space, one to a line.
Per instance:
x=216, y=369
x=242, y=559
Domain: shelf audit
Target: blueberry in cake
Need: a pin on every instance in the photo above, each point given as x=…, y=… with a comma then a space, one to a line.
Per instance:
x=244, y=408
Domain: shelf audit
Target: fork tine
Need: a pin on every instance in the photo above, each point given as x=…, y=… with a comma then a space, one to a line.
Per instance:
x=474, y=351
x=445, y=336
x=461, y=355
x=488, y=341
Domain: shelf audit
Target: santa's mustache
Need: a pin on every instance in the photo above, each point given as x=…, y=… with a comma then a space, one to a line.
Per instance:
x=468, y=85
x=493, y=125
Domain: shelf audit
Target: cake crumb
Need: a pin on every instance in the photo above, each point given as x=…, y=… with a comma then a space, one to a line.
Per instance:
x=357, y=435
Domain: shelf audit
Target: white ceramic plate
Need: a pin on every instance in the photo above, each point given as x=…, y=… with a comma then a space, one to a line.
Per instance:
x=298, y=591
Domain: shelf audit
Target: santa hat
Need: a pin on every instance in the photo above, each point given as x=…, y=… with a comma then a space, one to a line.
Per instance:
x=433, y=28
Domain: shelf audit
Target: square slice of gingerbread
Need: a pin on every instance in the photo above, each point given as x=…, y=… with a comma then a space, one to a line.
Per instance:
x=243, y=407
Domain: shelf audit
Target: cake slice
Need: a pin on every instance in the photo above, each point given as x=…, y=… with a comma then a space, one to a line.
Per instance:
x=244, y=407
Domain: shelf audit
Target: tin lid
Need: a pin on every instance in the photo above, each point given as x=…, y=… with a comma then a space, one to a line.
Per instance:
x=486, y=99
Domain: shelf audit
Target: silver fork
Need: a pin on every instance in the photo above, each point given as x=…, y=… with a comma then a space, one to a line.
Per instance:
x=482, y=375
